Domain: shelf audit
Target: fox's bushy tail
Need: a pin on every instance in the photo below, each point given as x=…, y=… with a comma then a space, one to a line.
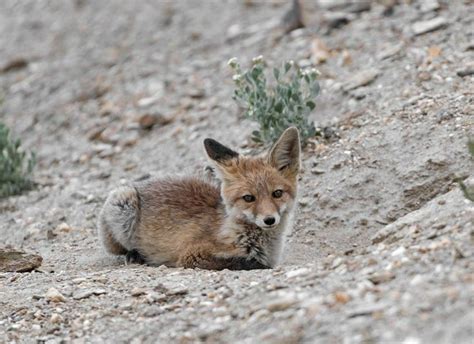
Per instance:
x=118, y=220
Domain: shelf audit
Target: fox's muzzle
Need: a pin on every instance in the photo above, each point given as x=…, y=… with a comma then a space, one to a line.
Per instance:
x=268, y=221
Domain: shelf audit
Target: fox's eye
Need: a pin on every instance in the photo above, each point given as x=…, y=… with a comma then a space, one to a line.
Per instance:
x=249, y=198
x=277, y=193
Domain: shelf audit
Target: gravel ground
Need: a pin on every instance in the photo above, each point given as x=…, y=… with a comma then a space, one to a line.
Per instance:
x=382, y=249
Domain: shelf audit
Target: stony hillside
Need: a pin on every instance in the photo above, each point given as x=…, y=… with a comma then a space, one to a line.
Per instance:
x=106, y=92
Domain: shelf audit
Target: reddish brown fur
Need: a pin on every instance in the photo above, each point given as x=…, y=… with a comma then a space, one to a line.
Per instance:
x=179, y=216
x=191, y=222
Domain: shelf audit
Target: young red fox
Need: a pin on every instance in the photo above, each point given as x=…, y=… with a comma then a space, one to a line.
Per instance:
x=191, y=222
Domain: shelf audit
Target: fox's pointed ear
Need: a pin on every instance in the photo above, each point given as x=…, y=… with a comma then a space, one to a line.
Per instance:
x=285, y=153
x=218, y=152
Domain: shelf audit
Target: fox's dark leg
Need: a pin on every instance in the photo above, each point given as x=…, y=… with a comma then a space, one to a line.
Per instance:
x=240, y=263
x=134, y=257
x=204, y=260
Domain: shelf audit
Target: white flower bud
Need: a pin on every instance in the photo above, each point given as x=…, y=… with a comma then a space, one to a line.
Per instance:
x=237, y=77
x=232, y=62
x=258, y=59
x=315, y=72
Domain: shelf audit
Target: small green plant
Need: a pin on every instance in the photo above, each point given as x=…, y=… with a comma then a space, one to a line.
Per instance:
x=468, y=192
x=286, y=102
x=15, y=167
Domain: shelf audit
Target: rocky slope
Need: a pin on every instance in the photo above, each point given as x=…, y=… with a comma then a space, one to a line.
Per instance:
x=383, y=241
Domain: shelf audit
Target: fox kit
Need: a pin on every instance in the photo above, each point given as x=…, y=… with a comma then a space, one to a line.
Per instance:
x=191, y=222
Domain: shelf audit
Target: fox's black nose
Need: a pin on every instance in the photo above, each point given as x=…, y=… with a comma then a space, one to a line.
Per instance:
x=269, y=220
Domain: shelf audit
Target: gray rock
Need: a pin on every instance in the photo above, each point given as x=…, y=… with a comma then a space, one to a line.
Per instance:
x=390, y=51
x=316, y=170
x=54, y=295
x=304, y=201
x=465, y=72
x=381, y=277
x=153, y=311
x=17, y=261
x=429, y=5
x=297, y=272
x=346, y=5
x=360, y=79
x=86, y=293
x=426, y=26
x=365, y=310
x=282, y=303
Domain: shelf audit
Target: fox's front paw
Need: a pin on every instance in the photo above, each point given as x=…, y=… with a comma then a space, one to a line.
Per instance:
x=134, y=257
x=243, y=263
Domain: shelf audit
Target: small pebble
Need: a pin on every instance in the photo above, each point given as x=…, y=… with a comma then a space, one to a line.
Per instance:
x=137, y=291
x=317, y=171
x=418, y=279
x=297, y=272
x=304, y=201
x=54, y=295
x=56, y=318
x=282, y=303
x=399, y=251
x=338, y=261
x=341, y=297
x=465, y=72
x=382, y=277
x=426, y=26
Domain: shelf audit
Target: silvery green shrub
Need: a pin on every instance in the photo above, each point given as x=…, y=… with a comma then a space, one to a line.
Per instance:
x=278, y=105
x=468, y=192
x=15, y=166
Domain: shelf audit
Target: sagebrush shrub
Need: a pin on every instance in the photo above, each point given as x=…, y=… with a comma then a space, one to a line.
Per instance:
x=468, y=192
x=276, y=106
x=15, y=166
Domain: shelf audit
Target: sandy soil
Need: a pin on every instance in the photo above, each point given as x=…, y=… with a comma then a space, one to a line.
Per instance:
x=382, y=249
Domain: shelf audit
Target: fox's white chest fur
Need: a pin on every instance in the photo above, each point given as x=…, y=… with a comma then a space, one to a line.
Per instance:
x=264, y=245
